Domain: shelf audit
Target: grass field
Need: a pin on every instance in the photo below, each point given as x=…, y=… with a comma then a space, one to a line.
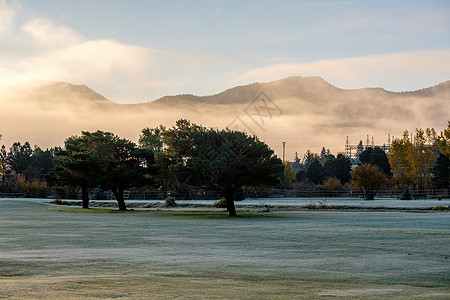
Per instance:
x=59, y=252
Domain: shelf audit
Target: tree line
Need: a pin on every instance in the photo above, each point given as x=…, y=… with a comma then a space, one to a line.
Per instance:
x=418, y=161
x=185, y=156
x=188, y=156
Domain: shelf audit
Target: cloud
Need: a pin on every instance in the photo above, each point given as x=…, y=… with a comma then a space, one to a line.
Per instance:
x=84, y=60
x=43, y=51
x=47, y=34
x=39, y=49
x=403, y=71
x=7, y=14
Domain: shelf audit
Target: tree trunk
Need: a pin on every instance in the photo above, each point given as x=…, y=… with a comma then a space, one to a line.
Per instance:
x=85, y=196
x=229, y=197
x=119, y=197
x=369, y=194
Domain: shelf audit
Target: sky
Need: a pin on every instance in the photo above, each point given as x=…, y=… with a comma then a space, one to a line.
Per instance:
x=138, y=51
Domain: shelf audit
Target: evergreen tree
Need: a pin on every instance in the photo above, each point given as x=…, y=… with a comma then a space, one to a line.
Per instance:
x=315, y=172
x=441, y=172
x=339, y=168
x=376, y=156
x=406, y=195
x=224, y=160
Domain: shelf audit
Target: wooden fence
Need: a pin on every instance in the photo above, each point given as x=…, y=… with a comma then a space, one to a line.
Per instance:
x=212, y=195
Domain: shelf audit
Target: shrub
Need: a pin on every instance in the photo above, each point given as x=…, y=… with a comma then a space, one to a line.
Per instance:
x=440, y=208
x=302, y=186
x=59, y=202
x=332, y=184
x=170, y=201
x=64, y=192
x=222, y=203
x=406, y=195
x=32, y=189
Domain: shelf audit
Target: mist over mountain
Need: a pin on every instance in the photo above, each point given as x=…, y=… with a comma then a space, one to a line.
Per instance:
x=305, y=112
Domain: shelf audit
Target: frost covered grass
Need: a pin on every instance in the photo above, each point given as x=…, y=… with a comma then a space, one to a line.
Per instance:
x=67, y=252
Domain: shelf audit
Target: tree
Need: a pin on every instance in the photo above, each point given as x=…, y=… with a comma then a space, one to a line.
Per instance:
x=288, y=175
x=443, y=141
x=152, y=138
x=399, y=160
x=315, y=172
x=332, y=184
x=441, y=172
x=412, y=160
x=125, y=164
x=325, y=155
x=224, y=160
x=369, y=179
x=102, y=159
x=2, y=169
x=19, y=157
x=3, y=165
x=308, y=158
x=339, y=167
x=300, y=175
x=423, y=154
x=376, y=156
x=76, y=165
x=406, y=195
x=42, y=163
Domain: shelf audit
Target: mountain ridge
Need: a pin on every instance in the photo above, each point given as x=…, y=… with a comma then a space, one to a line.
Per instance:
x=297, y=85
x=306, y=111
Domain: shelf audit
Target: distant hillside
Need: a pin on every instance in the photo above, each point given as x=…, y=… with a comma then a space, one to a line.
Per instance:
x=306, y=112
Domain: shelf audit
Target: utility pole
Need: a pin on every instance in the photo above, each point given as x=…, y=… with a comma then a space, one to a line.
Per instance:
x=284, y=149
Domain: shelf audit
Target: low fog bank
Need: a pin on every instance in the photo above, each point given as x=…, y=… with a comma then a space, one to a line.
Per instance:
x=306, y=113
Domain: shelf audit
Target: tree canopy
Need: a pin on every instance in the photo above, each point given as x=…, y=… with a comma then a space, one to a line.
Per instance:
x=339, y=167
x=102, y=159
x=315, y=172
x=224, y=160
x=443, y=141
x=412, y=160
x=441, y=172
x=376, y=156
x=369, y=179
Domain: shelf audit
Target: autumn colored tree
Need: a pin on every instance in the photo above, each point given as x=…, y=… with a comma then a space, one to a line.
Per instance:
x=369, y=179
x=331, y=184
x=398, y=157
x=412, y=160
x=288, y=175
x=423, y=155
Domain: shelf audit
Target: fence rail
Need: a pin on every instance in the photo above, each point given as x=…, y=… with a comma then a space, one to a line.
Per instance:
x=12, y=195
x=212, y=195
x=274, y=193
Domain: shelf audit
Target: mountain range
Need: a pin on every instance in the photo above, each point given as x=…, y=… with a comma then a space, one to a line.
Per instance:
x=304, y=112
